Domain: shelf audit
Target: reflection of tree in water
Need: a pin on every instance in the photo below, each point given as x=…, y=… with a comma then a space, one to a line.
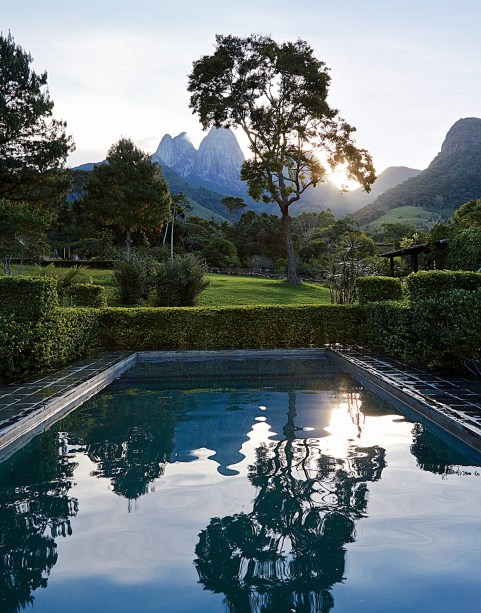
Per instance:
x=435, y=456
x=289, y=551
x=129, y=441
x=35, y=508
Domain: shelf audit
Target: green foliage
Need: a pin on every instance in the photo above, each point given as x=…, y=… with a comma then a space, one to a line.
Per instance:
x=27, y=298
x=65, y=335
x=128, y=192
x=464, y=250
x=434, y=283
x=277, y=94
x=221, y=253
x=15, y=341
x=390, y=325
x=33, y=145
x=65, y=278
x=22, y=230
x=377, y=288
x=468, y=215
x=231, y=328
x=35, y=334
x=179, y=281
x=441, y=332
x=134, y=278
x=87, y=295
x=347, y=265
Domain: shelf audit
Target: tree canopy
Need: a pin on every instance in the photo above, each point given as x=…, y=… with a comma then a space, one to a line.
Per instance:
x=128, y=191
x=33, y=145
x=277, y=94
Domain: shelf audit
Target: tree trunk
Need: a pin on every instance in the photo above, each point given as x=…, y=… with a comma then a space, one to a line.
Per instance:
x=128, y=243
x=292, y=276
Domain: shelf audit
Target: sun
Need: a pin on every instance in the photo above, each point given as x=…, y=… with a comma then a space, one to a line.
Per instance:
x=339, y=177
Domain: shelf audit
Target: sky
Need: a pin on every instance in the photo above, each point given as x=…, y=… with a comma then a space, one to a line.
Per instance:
x=402, y=71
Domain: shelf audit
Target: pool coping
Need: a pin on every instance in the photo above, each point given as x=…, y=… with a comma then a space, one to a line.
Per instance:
x=444, y=402
x=31, y=407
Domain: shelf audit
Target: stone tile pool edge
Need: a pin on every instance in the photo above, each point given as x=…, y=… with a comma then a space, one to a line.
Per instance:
x=31, y=407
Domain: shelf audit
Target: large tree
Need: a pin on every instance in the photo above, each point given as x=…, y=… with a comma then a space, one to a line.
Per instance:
x=128, y=191
x=33, y=145
x=277, y=94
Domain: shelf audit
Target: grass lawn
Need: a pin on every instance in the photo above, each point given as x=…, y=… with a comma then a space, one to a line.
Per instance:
x=224, y=290
x=227, y=290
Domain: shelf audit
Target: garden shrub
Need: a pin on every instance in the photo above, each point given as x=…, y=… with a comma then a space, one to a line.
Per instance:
x=432, y=283
x=134, y=278
x=87, y=295
x=28, y=298
x=36, y=334
x=377, y=288
x=179, y=281
x=231, y=327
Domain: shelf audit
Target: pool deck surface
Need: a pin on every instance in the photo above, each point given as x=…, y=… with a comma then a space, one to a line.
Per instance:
x=31, y=406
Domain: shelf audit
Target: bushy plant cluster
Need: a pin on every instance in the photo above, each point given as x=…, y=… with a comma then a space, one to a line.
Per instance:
x=134, y=278
x=464, y=251
x=176, y=281
x=179, y=281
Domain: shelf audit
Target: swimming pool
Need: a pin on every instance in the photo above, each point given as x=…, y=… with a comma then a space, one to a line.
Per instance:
x=264, y=485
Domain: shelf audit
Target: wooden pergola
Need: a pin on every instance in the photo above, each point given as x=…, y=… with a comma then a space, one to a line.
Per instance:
x=413, y=253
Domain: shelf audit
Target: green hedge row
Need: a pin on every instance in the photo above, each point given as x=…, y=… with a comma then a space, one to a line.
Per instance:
x=86, y=295
x=376, y=288
x=428, y=284
x=231, y=327
x=64, y=335
x=442, y=333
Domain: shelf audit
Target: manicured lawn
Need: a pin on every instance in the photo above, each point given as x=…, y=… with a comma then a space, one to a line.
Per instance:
x=224, y=290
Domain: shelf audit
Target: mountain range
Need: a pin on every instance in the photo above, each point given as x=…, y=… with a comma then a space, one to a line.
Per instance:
x=207, y=174
x=214, y=169
x=451, y=179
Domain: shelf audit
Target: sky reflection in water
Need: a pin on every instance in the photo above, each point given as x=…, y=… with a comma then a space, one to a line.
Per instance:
x=266, y=494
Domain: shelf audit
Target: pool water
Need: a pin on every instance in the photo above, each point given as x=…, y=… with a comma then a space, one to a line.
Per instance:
x=241, y=486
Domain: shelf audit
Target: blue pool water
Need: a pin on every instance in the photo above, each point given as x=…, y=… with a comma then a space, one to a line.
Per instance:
x=264, y=486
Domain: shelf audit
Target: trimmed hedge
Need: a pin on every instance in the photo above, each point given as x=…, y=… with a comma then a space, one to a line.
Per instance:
x=231, y=327
x=442, y=333
x=28, y=298
x=64, y=335
x=431, y=283
x=377, y=288
x=87, y=295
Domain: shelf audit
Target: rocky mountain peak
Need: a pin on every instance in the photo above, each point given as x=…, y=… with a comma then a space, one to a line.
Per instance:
x=464, y=135
x=217, y=161
x=220, y=158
